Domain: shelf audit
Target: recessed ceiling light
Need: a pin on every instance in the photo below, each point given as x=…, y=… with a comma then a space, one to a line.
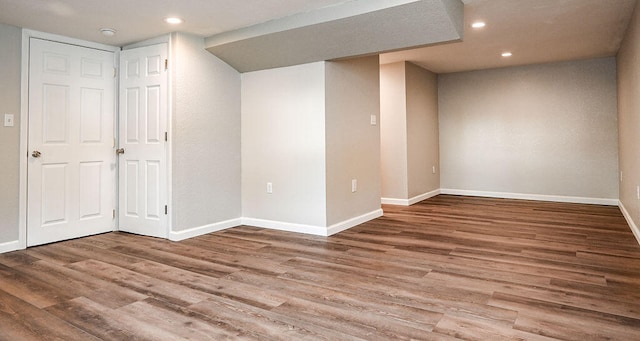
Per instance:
x=478, y=24
x=507, y=54
x=108, y=32
x=173, y=20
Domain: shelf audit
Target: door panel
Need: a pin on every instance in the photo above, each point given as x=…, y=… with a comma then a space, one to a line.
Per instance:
x=143, y=123
x=54, y=194
x=55, y=113
x=90, y=189
x=71, y=183
x=91, y=115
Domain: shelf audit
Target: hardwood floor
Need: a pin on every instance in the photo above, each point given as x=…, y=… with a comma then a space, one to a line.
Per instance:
x=445, y=269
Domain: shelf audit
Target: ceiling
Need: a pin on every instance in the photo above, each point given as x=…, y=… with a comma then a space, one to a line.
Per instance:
x=354, y=28
x=137, y=20
x=536, y=31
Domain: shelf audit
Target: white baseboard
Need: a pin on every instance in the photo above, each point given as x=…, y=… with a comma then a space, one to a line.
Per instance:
x=311, y=229
x=10, y=246
x=201, y=230
x=284, y=226
x=539, y=197
x=411, y=201
x=347, y=224
x=632, y=224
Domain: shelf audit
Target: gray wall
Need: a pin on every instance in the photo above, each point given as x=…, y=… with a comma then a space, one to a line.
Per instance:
x=423, y=142
x=205, y=136
x=409, y=131
x=283, y=142
x=629, y=117
x=306, y=129
x=542, y=129
x=393, y=131
x=352, y=144
x=10, y=66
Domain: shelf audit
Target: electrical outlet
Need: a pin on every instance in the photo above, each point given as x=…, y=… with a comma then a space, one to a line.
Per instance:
x=354, y=186
x=433, y=169
x=8, y=120
x=374, y=120
x=269, y=188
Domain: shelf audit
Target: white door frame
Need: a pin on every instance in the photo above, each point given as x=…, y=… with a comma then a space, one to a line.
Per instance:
x=24, y=113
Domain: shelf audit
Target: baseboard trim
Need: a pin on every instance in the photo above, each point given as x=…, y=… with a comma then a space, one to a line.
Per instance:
x=283, y=226
x=177, y=236
x=538, y=197
x=312, y=229
x=10, y=246
x=347, y=224
x=632, y=224
x=411, y=201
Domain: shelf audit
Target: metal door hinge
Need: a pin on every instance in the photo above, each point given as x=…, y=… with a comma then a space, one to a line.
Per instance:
x=115, y=72
x=166, y=64
x=114, y=214
x=166, y=136
x=166, y=209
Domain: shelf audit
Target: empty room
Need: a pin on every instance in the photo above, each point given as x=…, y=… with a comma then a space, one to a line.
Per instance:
x=320, y=170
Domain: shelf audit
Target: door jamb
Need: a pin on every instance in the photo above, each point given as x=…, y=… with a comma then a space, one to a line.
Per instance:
x=24, y=113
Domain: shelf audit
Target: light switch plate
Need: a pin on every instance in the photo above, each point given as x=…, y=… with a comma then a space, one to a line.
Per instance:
x=8, y=120
x=374, y=120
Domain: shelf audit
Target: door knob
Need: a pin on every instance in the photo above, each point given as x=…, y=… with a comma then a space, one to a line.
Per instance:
x=36, y=154
x=120, y=151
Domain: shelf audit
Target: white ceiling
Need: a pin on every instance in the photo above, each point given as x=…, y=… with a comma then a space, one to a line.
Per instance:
x=137, y=20
x=536, y=31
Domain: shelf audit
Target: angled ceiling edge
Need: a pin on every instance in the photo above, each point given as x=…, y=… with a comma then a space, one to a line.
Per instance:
x=354, y=28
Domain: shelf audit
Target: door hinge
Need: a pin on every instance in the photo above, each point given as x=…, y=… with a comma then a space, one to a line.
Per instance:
x=114, y=214
x=115, y=72
x=166, y=136
x=114, y=143
x=166, y=209
x=166, y=64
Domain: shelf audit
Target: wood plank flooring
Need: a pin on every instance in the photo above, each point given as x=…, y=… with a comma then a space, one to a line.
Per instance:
x=448, y=268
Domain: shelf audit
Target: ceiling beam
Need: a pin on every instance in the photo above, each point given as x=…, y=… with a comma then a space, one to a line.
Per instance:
x=353, y=28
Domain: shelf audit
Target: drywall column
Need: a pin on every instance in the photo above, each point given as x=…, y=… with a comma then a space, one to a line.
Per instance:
x=11, y=42
x=629, y=122
x=205, y=139
x=423, y=142
x=409, y=133
x=546, y=132
x=283, y=144
x=353, y=143
x=393, y=131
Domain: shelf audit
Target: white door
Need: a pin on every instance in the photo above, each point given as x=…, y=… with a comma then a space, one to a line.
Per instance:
x=143, y=127
x=71, y=169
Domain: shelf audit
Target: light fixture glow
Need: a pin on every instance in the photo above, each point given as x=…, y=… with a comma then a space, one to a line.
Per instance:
x=507, y=54
x=173, y=20
x=108, y=32
x=478, y=24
